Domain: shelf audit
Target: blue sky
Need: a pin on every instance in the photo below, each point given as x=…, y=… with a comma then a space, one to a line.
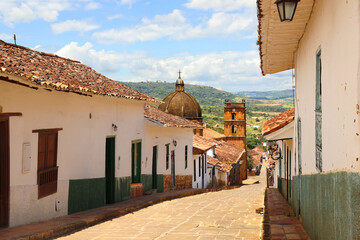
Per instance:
x=213, y=42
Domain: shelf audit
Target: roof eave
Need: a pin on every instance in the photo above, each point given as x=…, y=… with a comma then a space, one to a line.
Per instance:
x=278, y=41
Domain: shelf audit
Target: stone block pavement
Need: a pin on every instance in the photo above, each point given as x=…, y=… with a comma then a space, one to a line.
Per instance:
x=182, y=214
x=280, y=222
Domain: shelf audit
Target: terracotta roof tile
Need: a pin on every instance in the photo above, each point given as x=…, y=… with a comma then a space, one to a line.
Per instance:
x=279, y=121
x=167, y=119
x=228, y=152
x=224, y=167
x=209, y=133
x=61, y=74
x=202, y=143
x=225, y=152
x=255, y=155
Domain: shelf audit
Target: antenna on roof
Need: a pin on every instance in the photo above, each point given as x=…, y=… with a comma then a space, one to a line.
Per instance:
x=15, y=38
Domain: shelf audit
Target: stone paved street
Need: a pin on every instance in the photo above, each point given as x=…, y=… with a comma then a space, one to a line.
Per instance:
x=227, y=214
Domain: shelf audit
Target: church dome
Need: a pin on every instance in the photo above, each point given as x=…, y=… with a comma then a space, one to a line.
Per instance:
x=181, y=103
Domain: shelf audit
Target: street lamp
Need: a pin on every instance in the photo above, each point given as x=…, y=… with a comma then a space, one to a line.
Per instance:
x=286, y=9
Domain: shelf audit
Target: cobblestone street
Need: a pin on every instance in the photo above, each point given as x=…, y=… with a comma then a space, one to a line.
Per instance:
x=227, y=214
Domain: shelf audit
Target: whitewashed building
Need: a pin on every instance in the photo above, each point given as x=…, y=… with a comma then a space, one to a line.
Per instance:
x=168, y=162
x=322, y=44
x=279, y=132
x=72, y=139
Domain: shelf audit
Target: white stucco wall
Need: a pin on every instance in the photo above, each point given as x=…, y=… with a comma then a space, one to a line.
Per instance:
x=198, y=181
x=81, y=143
x=160, y=136
x=334, y=28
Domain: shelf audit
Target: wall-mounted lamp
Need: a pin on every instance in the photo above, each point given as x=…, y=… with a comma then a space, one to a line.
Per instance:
x=174, y=142
x=286, y=9
x=114, y=127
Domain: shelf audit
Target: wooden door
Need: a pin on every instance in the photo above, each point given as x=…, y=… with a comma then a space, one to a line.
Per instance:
x=110, y=170
x=154, y=168
x=172, y=169
x=4, y=172
x=202, y=172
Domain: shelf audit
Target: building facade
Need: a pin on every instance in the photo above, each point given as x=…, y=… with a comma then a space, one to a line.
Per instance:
x=235, y=129
x=72, y=139
x=322, y=45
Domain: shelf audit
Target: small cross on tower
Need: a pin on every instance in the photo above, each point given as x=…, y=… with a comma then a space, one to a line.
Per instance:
x=179, y=73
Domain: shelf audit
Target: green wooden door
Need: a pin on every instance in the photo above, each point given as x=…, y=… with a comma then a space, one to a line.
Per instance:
x=136, y=161
x=110, y=170
x=154, y=168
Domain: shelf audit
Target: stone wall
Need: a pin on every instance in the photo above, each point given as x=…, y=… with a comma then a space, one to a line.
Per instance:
x=183, y=181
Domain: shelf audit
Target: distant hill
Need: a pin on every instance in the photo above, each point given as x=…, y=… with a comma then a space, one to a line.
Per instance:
x=260, y=106
x=266, y=95
x=205, y=95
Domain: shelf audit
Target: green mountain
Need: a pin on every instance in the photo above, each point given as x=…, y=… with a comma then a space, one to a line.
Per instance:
x=205, y=95
x=212, y=101
x=266, y=95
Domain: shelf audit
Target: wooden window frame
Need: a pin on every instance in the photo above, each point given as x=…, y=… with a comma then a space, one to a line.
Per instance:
x=167, y=149
x=199, y=166
x=318, y=112
x=186, y=156
x=136, y=172
x=194, y=170
x=47, y=178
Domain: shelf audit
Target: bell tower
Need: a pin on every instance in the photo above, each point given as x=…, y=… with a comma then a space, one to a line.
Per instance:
x=235, y=129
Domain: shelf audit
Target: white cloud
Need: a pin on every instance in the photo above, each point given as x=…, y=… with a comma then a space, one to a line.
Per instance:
x=73, y=25
x=127, y=2
x=92, y=5
x=6, y=37
x=220, y=5
x=102, y=61
x=116, y=16
x=150, y=29
x=15, y=11
x=175, y=26
x=231, y=70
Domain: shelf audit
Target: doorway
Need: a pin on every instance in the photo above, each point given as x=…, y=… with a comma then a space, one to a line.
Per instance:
x=4, y=172
x=202, y=172
x=172, y=169
x=154, y=168
x=110, y=170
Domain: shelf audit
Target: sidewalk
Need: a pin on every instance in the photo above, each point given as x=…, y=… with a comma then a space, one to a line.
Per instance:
x=280, y=221
x=77, y=221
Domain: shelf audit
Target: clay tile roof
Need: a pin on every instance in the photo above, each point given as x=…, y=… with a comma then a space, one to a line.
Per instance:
x=168, y=120
x=209, y=133
x=228, y=152
x=224, y=167
x=58, y=73
x=202, y=143
x=255, y=151
x=255, y=155
x=277, y=122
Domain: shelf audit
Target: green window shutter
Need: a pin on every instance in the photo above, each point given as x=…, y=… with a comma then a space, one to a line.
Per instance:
x=318, y=114
x=299, y=146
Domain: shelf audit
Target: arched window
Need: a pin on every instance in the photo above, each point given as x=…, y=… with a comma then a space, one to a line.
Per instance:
x=233, y=116
x=233, y=129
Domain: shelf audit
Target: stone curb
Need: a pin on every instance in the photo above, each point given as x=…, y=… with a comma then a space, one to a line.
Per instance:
x=121, y=210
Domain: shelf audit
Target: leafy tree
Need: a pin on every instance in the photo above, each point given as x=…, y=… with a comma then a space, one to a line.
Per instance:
x=250, y=164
